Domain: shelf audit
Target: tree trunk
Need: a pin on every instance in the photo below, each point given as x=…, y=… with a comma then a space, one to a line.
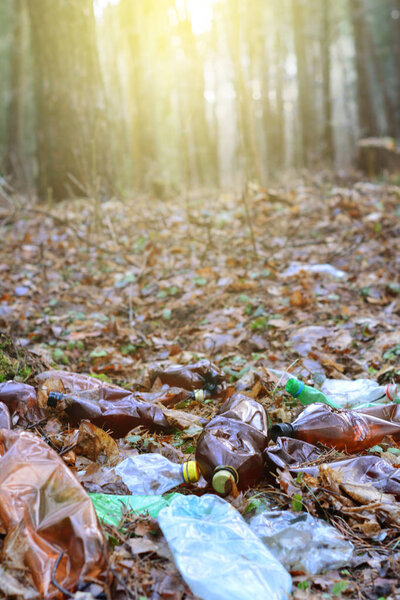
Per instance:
x=305, y=92
x=366, y=112
x=326, y=79
x=13, y=159
x=71, y=124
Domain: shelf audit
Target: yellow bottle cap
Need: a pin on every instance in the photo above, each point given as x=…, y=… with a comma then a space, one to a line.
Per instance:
x=223, y=480
x=191, y=471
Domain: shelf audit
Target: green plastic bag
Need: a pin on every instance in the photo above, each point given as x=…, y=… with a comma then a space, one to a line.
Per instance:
x=109, y=507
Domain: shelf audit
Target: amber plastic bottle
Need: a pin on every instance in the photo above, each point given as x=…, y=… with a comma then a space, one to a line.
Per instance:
x=200, y=375
x=230, y=448
x=106, y=405
x=341, y=429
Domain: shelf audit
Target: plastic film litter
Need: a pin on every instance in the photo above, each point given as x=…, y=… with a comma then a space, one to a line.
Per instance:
x=301, y=542
x=45, y=511
x=218, y=555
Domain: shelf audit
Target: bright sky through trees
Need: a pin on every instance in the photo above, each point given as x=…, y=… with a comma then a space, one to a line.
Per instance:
x=200, y=11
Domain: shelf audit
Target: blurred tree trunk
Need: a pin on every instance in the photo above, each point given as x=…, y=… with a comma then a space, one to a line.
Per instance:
x=306, y=114
x=326, y=79
x=366, y=113
x=277, y=154
x=395, y=26
x=71, y=124
x=248, y=148
x=13, y=160
x=136, y=21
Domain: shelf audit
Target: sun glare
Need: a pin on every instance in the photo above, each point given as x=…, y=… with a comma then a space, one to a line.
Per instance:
x=200, y=12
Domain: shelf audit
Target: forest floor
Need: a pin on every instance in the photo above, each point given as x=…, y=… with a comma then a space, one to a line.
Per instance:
x=109, y=288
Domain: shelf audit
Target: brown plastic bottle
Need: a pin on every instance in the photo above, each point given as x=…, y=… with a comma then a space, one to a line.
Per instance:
x=341, y=429
x=200, y=375
x=106, y=405
x=5, y=420
x=230, y=448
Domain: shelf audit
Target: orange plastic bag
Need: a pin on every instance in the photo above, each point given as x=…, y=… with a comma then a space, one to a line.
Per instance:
x=45, y=513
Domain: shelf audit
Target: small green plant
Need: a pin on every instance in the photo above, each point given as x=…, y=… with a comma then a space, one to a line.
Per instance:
x=339, y=587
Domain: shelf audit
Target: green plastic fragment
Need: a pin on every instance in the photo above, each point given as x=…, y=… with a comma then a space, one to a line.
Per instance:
x=109, y=507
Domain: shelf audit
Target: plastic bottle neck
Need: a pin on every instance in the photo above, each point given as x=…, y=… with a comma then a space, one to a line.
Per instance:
x=281, y=430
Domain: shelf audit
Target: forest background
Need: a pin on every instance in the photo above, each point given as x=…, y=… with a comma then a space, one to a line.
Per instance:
x=164, y=97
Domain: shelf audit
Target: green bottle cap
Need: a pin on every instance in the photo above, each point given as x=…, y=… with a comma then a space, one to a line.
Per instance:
x=293, y=386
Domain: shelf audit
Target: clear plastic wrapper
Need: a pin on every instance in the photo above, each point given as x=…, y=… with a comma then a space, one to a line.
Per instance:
x=50, y=523
x=147, y=474
x=218, y=555
x=301, y=542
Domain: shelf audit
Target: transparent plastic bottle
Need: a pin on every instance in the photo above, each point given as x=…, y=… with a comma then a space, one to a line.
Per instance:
x=147, y=474
x=229, y=451
x=344, y=430
x=218, y=555
x=307, y=394
x=360, y=392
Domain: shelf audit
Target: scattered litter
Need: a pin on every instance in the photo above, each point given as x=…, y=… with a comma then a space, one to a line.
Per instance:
x=146, y=474
x=218, y=555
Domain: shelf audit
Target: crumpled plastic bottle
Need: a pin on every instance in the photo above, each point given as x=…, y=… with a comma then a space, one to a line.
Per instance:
x=231, y=445
x=200, y=375
x=218, y=555
x=301, y=542
x=359, y=392
x=146, y=474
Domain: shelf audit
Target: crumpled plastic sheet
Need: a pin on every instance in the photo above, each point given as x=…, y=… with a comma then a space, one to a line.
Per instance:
x=146, y=474
x=44, y=512
x=109, y=507
x=218, y=555
x=301, y=542
x=366, y=469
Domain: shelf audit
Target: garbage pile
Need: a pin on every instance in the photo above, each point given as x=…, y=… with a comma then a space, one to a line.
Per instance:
x=338, y=456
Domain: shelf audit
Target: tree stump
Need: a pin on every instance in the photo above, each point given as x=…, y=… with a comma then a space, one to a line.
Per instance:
x=378, y=155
